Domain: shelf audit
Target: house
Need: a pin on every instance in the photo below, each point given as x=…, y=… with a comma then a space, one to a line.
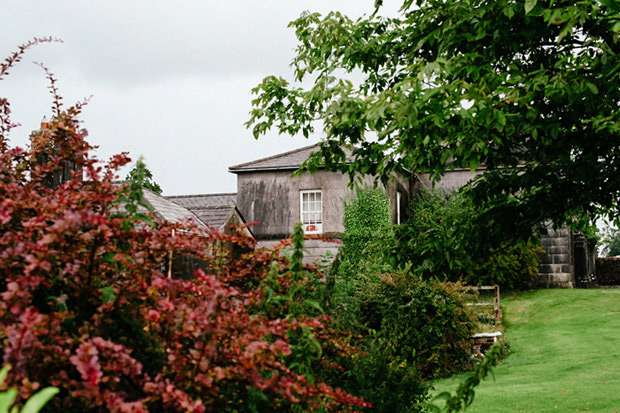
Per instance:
x=267, y=194
x=165, y=210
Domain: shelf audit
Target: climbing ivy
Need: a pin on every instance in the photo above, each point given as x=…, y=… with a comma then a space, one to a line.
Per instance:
x=367, y=220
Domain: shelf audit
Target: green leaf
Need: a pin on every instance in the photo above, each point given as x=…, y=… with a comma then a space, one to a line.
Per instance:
x=529, y=5
x=108, y=294
x=39, y=399
x=108, y=257
x=4, y=372
x=313, y=304
x=592, y=87
x=7, y=399
x=145, y=218
x=442, y=396
x=509, y=11
x=613, y=4
x=61, y=305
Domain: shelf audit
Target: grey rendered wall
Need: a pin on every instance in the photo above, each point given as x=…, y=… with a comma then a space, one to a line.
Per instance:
x=316, y=252
x=452, y=180
x=272, y=199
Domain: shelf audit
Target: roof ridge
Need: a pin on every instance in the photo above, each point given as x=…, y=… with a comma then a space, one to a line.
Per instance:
x=200, y=208
x=200, y=195
x=242, y=165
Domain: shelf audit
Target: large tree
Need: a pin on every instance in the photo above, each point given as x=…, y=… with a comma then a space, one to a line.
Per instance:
x=528, y=89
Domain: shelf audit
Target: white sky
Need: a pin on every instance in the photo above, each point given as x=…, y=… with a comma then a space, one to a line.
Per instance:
x=170, y=80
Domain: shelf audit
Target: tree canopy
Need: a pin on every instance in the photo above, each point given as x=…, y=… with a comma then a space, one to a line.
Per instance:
x=612, y=243
x=144, y=175
x=530, y=90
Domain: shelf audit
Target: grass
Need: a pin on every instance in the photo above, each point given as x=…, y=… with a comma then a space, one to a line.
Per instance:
x=565, y=354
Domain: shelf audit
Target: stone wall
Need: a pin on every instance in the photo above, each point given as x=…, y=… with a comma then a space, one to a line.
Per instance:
x=315, y=252
x=556, y=266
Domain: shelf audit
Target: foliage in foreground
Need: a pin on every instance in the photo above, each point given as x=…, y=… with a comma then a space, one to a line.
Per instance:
x=86, y=305
x=528, y=89
x=32, y=405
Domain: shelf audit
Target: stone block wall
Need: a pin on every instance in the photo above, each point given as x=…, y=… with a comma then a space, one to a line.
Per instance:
x=315, y=250
x=556, y=268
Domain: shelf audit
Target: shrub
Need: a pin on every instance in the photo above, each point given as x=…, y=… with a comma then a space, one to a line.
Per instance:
x=411, y=330
x=32, y=405
x=440, y=240
x=86, y=306
x=608, y=271
x=425, y=323
x=511, y=267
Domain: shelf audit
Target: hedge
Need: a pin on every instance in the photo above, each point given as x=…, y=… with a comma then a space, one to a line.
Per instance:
x=608, y=271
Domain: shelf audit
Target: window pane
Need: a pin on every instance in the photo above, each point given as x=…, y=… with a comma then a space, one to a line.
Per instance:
x=311, y=208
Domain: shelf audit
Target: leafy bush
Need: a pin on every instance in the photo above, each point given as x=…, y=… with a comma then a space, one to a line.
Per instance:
x=86, y=305
x=390, y=385
x=425, y=323
x=512, y=267
x=411, y=330
x=440, y=239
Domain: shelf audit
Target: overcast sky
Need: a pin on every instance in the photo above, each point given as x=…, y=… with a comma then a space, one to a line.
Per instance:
x=170, y=80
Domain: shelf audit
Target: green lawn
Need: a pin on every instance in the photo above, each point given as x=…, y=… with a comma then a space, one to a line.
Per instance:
x=565, y=354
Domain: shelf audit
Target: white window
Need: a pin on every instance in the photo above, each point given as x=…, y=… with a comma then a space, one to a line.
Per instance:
x=311, y=203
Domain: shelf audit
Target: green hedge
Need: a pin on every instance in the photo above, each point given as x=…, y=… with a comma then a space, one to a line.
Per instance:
x=608, y=271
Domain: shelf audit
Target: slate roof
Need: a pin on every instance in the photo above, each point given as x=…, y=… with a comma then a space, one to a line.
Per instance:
x=204, y=200
x=283, y=161
x=167, y=210
x=214, y=216
x=212, y=209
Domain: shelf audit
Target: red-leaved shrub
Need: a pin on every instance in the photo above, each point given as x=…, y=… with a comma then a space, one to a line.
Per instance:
x=87, y=304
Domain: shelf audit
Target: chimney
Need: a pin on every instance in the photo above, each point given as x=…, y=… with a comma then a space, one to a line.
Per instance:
x=44, y=123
